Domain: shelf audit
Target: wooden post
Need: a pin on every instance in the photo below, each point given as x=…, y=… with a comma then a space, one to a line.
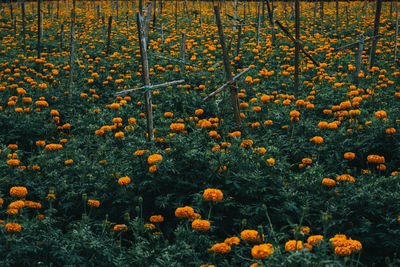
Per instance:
x=296, y=47
x=337, y=13
x=154, y=13
x=270, y=11
x=376, y=32
x=360, y=49
x=58, y=9
x=109, y=35
x=239, y=37
x=176, y=15
x=183, y=50
x=258, y=23
x=23, y=23
x=72, y=52
x=397, y=33
x=147, y=23
x=228, y=69
x=235, y=15
x=347, y=16
x=39, y=49
x=321, y=13
x=145, y=76
x=62, y=36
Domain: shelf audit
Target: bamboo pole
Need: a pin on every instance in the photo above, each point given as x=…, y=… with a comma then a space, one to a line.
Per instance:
x=376, y=32
x=109, y=35
x=296, y=47
x=397, y=33
x=72, y=52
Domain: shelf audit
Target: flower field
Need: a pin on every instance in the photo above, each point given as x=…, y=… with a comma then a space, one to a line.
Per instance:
x=306, y=176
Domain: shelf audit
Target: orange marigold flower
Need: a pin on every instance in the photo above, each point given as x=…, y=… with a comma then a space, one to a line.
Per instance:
x=342, y=251
x=390, y=130
x=119, y=135
x=306, y=161
x=93, y=202
x=293, y=245
x=18, y=191
x=215, y=195
x=220, y=248
x=234, y=240
x=19, y=204
x=247, y=143
x=124, y=180
x=328, y=182
x=262, y=251
x=12, y=146
x=13, y=227
x=270, y=161
x=13, y=162
x=314, y=239
x=250, y=236
x=349, y=155
x=140, y=152
x=12, y=211
x=201, y=225
x=345, y=177
x=53, y=147
x=32, y=204
x=235, y=134
x=149, y=226
x=380, y=114
x=375, y=159
x=153, y=168
x=168, y=115
x=177, y=127
x=120, y=227
x=184, y=212
x=152, y=159
x=198, y=112
x=156, y=218
x=294, y=113
x=317, y=140
x=69, y=162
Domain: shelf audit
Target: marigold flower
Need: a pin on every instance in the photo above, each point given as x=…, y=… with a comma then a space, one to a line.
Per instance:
x=153, y=168
x=262, y=251
x=32, y=204
x=12, y=211
x=305, y=230
x=1, y=201
x=120, y=227
x=184, y=212
x=53, y=147
x=375, y=159
x=328, y=182
x=293, y=245
x=13, y=162
x=93, y=202
x=317, y=140
x=12, y=146
x=342, y=251
x=247, y=143
x=156, y=218
x=152, y=159
x=124, y=180
x=349, y=155
x=168, y=115
x=306, y=161
x=177, y=127
x=19, y=204
x=13, y=227
x=271, y=161
x=149, y=226
x=390, y=130
x=235, y=134
x=294, y=113
x=314, y=239
x=234, y=240
x=18, y=191
x=215, y=195
x=198, y=112
x=69, y=162
x=201, y=225
x=345, y=177
x=220, y=248
x=380, y=114
x=250, y=236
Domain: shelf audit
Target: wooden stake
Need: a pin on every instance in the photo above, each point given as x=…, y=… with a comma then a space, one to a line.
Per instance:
x=228, y=69
x=145, y=76
x=397, y=33
x=39, y=49
x=183, y=50
x=296, y=45
x=72, y=52
x=376, y=32
x=270, y=11
x=23, y=23
x=258, y=23
x=321, y=13
x=360, y=49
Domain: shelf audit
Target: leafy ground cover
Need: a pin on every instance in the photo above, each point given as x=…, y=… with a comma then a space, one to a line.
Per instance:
x=310, y=179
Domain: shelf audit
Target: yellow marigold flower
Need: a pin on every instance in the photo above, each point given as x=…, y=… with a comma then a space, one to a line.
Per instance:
x=184, y=212
x=18, y=191
x=215, y=195
x=69, y=162
x=271, y=161
x=314, y=239
x=93, y=202
x=250, y=236
x=153, y=168
x=349, y=155
x=262, y=251
x=124, y=180
x=13, y=162
x=156, y=218
x=13, y=227
x=177, y=127
x=234, y=240
x=201, y=225
x=328, y=182
x=19, y=204
x=152, y=159
x=293, y=245
x=220, y=248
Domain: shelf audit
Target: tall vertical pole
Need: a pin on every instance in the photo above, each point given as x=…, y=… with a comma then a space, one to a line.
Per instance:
x=296, y=46
x=39, y=29
x=376, y=32
x=228, y=69
x=23, y=23
x=397, y=33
